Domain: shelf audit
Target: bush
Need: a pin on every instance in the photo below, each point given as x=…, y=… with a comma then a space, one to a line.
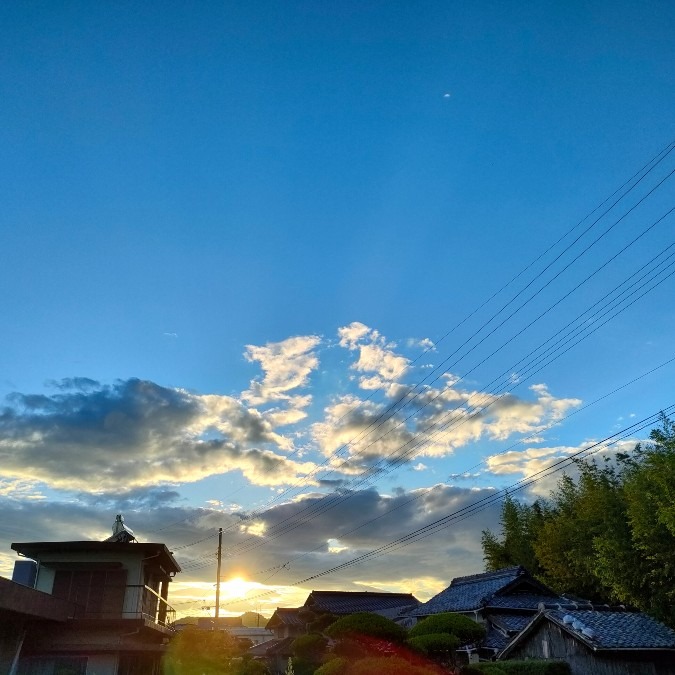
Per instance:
x=530, y=667
x=250, y=667
x=366, y=624
x=436, y=645
x=464, y=628
x=388, y=666
x=337, y=666
x=309, y=647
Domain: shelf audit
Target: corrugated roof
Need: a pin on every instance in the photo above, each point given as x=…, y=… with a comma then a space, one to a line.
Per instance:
x=348, y=602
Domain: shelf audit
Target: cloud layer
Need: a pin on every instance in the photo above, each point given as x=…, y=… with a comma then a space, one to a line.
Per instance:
x=137, y=433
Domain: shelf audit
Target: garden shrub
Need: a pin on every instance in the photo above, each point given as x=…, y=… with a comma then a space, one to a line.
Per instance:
x=465, y=629
x=366, y=624
x=529, y=667
x=338, y=666
x=434, y=645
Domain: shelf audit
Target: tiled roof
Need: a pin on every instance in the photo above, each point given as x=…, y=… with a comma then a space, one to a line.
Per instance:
x=346, y=602
x=522, y=600
x=495, y=639
x=614, y=630
x=512, y=623
x=471, y=592
x=501, y=629
x=272, y=647
x=287, y=617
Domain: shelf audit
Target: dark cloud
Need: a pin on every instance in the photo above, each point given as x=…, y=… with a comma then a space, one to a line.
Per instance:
x=134, y=433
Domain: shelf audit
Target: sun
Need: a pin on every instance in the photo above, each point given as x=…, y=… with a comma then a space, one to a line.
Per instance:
x=236, y=588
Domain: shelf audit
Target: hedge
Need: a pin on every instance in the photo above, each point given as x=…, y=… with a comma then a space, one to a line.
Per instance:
x=530, y=667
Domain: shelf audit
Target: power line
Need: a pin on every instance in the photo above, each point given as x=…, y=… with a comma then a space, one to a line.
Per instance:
x=636, y=179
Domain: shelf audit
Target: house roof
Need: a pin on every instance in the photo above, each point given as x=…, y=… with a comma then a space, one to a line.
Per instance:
x=39, y=549
x=507, y=587
x=273, y=647
x=502, y=627
x=348, y=602
x=604, y=629
x=286, y=616
x=520, y=600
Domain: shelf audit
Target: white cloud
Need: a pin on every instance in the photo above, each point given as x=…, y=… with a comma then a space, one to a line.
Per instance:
x=535, y=463
x=287, y=365
x=375, y=354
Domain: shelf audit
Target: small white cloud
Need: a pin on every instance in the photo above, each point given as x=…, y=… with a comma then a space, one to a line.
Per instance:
x=420, y=467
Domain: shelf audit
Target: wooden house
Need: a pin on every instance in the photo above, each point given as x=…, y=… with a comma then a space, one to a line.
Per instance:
x=596, y=640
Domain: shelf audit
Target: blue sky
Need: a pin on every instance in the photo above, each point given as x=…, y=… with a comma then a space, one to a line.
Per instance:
x=249, y=226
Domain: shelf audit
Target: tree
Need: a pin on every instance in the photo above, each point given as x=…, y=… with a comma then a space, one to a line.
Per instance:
x=520, y=525
x=609, y=535
x=200, y=652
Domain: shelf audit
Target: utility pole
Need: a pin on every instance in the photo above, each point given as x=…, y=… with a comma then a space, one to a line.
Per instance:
x=220, y=552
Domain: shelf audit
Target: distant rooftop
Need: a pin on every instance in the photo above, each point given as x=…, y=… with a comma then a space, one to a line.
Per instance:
x=511, y=587
x=348, y=602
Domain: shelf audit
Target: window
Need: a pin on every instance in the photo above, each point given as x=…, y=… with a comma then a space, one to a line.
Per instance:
x=97, y=594
x=139, y=664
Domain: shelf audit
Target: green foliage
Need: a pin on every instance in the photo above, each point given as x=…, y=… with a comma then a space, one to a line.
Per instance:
x=520, y=525
x=200, y=652
x=251, y=667
x=365, y=624
x=465, y=629
x=393, y=665
x=436, y=645
x=338, y=666
x=529, y=667
x=321, y=622
x=609, y=535
x=482, y=669
x=309, y=647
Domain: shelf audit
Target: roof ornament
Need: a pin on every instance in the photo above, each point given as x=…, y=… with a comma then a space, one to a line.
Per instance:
x=121, y=533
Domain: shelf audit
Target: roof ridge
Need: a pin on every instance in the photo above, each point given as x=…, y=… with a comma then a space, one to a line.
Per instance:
x=353, y=593
x=496, y=574
x=585, y=606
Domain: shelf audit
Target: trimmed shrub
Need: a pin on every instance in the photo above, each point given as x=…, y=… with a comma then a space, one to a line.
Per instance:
x=337, y=666
x=436, y=645
x=535, y=667
x=529, y=667
x=309, y=647
x=389, y=666
x=366, y=624
x=464, y=628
